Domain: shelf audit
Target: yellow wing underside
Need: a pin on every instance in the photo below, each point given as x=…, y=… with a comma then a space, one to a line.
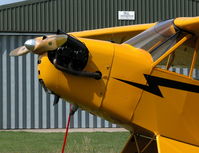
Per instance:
x=114, y=34
x=122, y=33
x=166, y=145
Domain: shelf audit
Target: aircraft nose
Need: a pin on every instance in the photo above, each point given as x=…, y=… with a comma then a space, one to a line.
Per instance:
x=30, y=44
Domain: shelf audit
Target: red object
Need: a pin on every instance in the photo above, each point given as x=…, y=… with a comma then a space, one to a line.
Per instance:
x=67, y=127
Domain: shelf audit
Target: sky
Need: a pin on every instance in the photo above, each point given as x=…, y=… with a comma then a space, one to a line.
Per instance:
x=3, y=2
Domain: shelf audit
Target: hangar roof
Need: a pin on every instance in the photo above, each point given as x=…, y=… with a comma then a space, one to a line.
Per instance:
x=68, y=15
x=28, y=16
x=46, y=16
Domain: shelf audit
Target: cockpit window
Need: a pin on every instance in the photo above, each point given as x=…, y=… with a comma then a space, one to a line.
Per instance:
x=157, y=39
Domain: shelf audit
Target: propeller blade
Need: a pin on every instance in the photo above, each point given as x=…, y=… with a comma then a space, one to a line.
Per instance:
x=19, y=51
x=49, y=44
x=24, y=49
x=40, y=45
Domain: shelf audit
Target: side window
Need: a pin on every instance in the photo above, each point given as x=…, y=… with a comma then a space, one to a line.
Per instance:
x=180, y=60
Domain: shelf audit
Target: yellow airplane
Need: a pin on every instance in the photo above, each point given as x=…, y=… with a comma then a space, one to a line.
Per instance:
x=124, y=74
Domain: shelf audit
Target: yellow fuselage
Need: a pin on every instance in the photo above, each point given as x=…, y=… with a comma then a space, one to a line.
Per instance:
x=120, y=102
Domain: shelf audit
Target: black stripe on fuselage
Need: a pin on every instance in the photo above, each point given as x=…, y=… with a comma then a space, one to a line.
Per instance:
x=154, y=83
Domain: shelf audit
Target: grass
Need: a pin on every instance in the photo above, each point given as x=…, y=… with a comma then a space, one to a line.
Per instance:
x=28, y=142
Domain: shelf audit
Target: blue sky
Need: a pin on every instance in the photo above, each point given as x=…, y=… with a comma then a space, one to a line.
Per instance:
x=3, y=2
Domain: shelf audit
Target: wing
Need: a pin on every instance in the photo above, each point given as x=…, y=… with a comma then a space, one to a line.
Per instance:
x=115, y=34
x=167, y=145
x=189, y=24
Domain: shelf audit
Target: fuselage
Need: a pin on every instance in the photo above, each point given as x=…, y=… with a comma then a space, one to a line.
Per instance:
x=106, y=97
x=131, y=92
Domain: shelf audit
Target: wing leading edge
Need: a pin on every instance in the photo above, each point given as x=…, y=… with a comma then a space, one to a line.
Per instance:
x=115, y=34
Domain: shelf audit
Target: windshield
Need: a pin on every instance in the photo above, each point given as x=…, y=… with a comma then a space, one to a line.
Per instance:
x=157, y=39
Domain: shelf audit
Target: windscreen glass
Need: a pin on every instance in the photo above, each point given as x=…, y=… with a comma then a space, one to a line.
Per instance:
x=157, y=39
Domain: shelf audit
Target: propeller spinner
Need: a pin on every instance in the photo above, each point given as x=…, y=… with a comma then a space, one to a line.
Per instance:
x=39, y=45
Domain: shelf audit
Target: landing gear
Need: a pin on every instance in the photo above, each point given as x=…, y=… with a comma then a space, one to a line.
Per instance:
x=138, y=143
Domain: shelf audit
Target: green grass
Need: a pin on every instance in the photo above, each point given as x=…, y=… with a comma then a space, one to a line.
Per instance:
x=96, y=142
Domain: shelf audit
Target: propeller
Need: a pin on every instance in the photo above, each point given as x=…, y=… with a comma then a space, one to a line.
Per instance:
x=40, y=45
